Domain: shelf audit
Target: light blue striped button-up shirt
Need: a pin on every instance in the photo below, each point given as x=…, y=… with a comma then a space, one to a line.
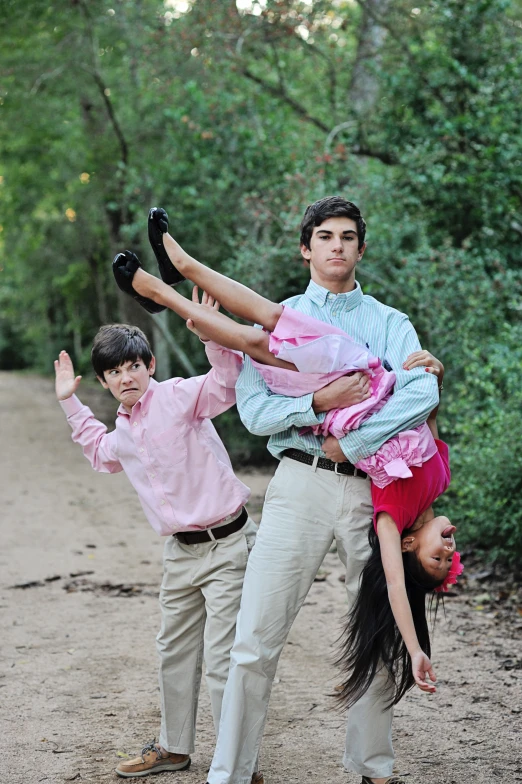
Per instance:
x=388, y=334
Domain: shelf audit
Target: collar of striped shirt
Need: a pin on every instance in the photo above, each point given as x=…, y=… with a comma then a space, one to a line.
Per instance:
x=348, y=299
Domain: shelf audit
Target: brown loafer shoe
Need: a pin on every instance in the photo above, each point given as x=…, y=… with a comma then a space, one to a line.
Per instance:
x=151, y=761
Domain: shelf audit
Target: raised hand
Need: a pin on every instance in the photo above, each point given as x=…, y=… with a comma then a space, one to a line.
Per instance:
x=422, y=669
x=66, y=382
x=207, y=302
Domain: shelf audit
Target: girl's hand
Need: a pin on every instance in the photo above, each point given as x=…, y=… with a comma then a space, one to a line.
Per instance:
x=206, y=301
x=66, y=382
x=422, y=669
x=427, y=360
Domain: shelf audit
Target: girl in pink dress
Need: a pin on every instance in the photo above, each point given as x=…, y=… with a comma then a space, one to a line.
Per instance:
x=413, y=550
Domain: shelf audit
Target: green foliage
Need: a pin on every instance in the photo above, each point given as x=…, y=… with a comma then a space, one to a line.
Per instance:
x=468, y=313
x=234, y=121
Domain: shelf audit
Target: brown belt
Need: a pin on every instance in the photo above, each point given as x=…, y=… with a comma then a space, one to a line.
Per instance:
x=198, y=537
x=340, y=468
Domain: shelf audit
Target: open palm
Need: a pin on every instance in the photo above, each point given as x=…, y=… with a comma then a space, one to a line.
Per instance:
x=66, y=382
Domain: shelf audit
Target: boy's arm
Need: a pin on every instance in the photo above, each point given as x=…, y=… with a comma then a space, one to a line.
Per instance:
x=434, y=366
x=207, y=396
x=390, y=544
x=415, y=395
x=90, y=433
x=264, y=413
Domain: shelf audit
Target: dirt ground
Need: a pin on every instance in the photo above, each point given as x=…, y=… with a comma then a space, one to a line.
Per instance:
x=78, y=685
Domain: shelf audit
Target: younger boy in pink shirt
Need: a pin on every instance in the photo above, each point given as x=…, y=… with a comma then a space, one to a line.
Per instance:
x=168, y=447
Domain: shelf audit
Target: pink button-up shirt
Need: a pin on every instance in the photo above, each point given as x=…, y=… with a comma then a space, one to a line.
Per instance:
x=169, y=449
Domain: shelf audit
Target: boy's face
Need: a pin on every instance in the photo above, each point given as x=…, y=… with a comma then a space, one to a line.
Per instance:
x=128, y=382
x=333, y=254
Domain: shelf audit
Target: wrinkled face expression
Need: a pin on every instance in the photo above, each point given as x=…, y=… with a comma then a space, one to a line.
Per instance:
x=128, y=382
x=333, y=253
x=434, y=544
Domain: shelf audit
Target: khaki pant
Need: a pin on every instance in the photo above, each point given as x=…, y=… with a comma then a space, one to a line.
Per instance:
x=199, y=601
x=304, y=511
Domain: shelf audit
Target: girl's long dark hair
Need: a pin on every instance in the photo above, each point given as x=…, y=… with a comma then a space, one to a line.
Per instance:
x=371, y=638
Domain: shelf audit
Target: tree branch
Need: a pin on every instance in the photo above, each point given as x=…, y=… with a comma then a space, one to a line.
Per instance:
x=112, y=117
x=102, y=87
x=278, y=91
x=176, y=350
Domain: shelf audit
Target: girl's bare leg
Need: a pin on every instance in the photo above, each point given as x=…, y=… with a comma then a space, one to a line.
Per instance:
x=208, y=321
x=236, y=298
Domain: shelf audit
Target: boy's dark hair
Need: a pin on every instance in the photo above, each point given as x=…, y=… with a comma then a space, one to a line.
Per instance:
x=331, y=207
x=115, y=344
x=371, y=638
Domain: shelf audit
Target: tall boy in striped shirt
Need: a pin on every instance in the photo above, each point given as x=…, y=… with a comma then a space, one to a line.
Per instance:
x=316, y=497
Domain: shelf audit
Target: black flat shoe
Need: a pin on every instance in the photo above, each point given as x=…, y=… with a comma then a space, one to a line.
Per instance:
x=124, y=267
x=158, y=226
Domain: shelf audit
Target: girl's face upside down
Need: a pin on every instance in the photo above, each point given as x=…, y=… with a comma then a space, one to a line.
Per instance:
x=434, y=545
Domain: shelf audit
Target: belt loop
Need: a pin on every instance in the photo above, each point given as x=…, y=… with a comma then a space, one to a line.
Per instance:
x=335, y=469
x=209, y=532
x=354, y=471
x=315, y=461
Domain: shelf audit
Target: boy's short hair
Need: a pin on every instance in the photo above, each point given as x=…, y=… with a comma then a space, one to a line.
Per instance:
x=331, y=207
x=115, y=344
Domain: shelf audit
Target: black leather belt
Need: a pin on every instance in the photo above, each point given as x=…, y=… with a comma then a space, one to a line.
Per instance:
x=323, y=462
x=197, y=537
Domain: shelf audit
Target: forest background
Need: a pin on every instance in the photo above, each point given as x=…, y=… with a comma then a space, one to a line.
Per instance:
x=236, y=115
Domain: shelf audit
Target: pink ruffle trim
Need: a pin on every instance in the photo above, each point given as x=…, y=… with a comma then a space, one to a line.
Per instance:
x=395, y=457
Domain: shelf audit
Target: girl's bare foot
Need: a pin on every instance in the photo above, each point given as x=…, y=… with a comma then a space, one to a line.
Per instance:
x=178, y=257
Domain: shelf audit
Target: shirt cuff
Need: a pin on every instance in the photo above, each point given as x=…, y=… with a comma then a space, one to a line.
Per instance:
x=211, y=347
x=305, y=415
x=354, y=446
x=71, y=406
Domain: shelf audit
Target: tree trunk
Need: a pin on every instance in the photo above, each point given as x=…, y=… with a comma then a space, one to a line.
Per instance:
x=364, y=86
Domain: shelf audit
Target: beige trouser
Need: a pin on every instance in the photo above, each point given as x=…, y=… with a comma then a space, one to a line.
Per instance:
x=199, y=601
x=304, y=511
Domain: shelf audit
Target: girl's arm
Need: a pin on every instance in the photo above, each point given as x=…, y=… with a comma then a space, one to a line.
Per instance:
x=390, y=544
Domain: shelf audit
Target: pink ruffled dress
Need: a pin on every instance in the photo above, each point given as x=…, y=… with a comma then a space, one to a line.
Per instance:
x=322, y=353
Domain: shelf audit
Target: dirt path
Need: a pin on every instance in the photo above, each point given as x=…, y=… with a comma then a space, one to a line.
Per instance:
x=78, y=684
